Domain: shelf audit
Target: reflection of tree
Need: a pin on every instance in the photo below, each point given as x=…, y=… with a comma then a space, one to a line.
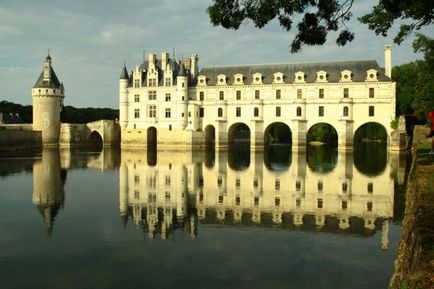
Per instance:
x=277, y=158
x=321, y=159
x=239, y=157
x=370, y=158
x=371, y=131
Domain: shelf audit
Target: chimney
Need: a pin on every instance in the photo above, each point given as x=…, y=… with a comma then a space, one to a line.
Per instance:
x=194, y=64
x=187, y=63
x=151, y=58
x=388, y=60
x=164, y=59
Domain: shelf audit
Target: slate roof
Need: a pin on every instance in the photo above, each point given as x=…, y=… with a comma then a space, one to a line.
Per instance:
x=53, y=83
x=124, y=73
x=333, y=69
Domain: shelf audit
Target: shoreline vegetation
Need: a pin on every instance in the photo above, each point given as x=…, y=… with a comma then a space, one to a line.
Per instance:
x=414, y=264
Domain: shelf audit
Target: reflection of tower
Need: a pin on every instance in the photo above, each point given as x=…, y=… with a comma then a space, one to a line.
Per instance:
x=47, y=96
x=385, y=235
x=48, y=182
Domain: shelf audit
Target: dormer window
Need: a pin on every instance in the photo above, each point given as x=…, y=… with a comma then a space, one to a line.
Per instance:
x=238, y=78
x=299, y=77
x=346, y=75
x=278, y=77
x=201, y=80
x=221, y=79
x=371, y=75
x=321, y=76
x=257, y=78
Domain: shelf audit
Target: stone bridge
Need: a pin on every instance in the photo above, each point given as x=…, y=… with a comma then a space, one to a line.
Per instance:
x=102, y=132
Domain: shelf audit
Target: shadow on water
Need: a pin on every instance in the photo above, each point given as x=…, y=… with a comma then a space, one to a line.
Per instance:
x=278, y=157
x=370, y=158
x=321, y=159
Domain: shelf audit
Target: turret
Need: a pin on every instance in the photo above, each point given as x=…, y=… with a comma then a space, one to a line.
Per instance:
x=47, y=99
x=123, y=97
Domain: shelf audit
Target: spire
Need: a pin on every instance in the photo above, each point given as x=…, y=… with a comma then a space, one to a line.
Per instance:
x=124, y=73
x=47, y=78
x=182, y=70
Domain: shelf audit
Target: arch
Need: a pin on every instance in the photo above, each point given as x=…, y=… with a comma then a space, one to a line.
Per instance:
x=239, y=157
x=209, y=157
x=277, y=158
x=239, y=134
x=95, y=140
x=322, y=133
x=370, y=139
x=277, y=133
x=209, y=136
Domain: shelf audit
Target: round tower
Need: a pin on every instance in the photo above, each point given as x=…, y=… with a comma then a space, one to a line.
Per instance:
x=47, y=99
x=123, y=98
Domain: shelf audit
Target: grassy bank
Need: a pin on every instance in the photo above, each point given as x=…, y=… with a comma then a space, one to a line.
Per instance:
x=414, y=266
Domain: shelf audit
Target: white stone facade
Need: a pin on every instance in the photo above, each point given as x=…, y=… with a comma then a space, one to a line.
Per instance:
x=183, y=107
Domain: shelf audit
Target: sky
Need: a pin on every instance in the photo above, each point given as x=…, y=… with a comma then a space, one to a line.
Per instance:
x=89, y=40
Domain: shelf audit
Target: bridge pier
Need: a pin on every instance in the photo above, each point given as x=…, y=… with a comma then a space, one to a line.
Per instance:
x=256, y=136
x=221, y=135
x=299, y=134
x=345, y=135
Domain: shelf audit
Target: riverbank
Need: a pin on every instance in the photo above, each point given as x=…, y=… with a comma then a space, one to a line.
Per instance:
x=414, y=265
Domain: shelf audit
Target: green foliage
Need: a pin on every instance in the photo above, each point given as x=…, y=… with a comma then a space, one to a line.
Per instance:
x=24, y=111
x=383, y=15
x=394, y=123
x=405, y=76
x=371, y=132
x=69, y=114
x=318, y=18
x=324, y=133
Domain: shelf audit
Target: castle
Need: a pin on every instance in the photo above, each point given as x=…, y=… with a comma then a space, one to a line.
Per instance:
x=175, y=105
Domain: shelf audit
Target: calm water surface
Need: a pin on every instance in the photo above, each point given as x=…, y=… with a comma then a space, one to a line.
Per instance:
x=146, y=219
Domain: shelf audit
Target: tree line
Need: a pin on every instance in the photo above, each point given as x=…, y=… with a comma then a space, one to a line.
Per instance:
x=69, y=114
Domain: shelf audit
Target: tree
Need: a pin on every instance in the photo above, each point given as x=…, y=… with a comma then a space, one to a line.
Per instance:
x=405, y=76
x=384, y=14
x=320, y=17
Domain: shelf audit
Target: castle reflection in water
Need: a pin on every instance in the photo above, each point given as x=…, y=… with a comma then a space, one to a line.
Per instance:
x=168, y=190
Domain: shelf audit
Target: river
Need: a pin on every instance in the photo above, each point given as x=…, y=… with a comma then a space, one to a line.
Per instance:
x=206, y=219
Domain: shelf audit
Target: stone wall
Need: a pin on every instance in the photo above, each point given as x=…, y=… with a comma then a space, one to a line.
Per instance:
x=19, y=137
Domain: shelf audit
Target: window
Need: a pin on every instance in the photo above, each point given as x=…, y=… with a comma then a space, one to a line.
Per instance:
x=278, y=94
x=167, y=112
x=369, y=206
x=222, y=95
x=257, y=94
x=153, y=111
x=201, y=95
x=371, y=92
x=346, y=93
x=167, y=81
x=371, y=110
x=238, y=94
x=320, y=186
x=277, y=202
x=152, y=95
x=201, y=112
x=277, y=184
x=321, y=111
x=237, y=200
x=345, y=111
x=238, y=111
x=298, y=112
x=256, y=201
x=297, y=186
x=152, y=82
x=136, y=98
x=344, y=205
x=136, y=82
x=136, y=113
x=220, y=199
x=255, y=182
x=277, y=110
x=167, y=180
x=321, y=93
x=319, y=203
x=298, y=203
x=299, y=93
x=219, y=181
x=136, y=194
x=136, y=179
x=167, y=195
x=167, y=96
x=220, y=112
x=344, y=187
x=256, y=112
x=237, y=183
x=370, y=188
